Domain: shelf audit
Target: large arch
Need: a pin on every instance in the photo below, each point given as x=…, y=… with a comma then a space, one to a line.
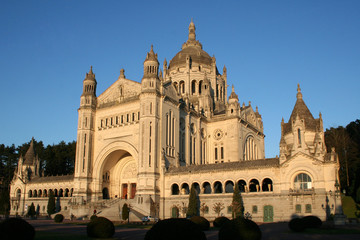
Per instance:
x=115, y=169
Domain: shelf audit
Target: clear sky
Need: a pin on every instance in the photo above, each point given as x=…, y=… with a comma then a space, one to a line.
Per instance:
x=268, y=47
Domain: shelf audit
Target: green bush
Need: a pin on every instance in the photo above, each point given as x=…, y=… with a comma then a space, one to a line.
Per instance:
x=312, y=222
x=100, y=227
x=58, y=218
x=93, y=217
x=202, y=222
x=296, y=225
x=175, y=229
x=220, y=221
x=16, y=228
x=240, y=229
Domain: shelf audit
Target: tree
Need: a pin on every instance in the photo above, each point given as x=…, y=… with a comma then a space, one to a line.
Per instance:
x=193, y=209
x=51, y=208
x=237, y=203
x=125, y=212
x=218, y=207
x=31, y=212
x=204, y=208
x=347, y=145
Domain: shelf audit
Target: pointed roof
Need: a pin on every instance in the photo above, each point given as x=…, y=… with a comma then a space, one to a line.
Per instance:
x=30, y=154
x=151, y=56
x=90, y=75
x=300, y=108
x=233, y=95
x=302, y=112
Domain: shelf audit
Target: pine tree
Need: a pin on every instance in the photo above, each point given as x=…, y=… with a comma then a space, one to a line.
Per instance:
x=31, y=212
x=51, y=204
x=125, y=212
x=237, y=203
x=193, y=208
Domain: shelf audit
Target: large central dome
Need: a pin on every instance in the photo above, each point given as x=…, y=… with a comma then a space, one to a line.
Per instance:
x=193, y=49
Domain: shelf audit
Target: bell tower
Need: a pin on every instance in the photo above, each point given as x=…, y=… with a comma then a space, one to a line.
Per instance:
x=85, y=137
x=149, y=155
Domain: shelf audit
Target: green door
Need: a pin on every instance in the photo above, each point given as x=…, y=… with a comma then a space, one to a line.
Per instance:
x=268, y=213
x=174, y=212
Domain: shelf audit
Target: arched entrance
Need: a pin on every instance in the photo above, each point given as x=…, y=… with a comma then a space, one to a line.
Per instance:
x=118, y=175
x=105, y=193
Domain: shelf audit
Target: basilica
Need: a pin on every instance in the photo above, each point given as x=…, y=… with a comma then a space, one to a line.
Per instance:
x=146, y=143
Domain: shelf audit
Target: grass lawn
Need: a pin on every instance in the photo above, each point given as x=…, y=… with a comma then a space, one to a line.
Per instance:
x=44, y=235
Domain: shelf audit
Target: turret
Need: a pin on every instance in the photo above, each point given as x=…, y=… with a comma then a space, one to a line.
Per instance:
x=151, y=81
x=88, y=97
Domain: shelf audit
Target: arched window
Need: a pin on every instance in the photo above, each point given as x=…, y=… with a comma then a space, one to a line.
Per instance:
x=40, y=193
x=45, y=193
x=193, y=86
x=200, y=86
x=242, y=185
x=197, y=187
x=267, y=185
x=254, y=185
x=35, y=193
x=182, y=87
x=218, y=187
x=66, y=192
x=175, y=189
x=61, y=192
x=30, y=193
x=206, y=188
x=185, y=188
x=302, y=181
x=229, y=187
x=18, y=195
x=299, y=136
x=250, y=149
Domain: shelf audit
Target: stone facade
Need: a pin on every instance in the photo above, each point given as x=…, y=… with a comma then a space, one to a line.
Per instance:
x=146, y=143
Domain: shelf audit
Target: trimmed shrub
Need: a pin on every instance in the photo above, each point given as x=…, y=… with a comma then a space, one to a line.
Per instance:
x=16, y=228
x=240, y=229
x=202, y=222
x=58, y=218
x=220, y=221
x=296, y=225
x=93, y=217
x=312, y=222
x=175, y=229
x=100, y=227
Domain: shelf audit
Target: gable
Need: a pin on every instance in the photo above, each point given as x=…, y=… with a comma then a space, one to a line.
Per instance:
x=121, y=90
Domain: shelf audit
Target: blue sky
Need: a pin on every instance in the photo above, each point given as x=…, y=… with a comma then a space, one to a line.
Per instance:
x=46, y=47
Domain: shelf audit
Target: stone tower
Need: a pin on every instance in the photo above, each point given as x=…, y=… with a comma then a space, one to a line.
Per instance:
x=85, y=137
x=149, y=155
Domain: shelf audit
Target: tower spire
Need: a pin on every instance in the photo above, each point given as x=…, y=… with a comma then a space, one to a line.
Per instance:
x=299, y=94
x=192, y=35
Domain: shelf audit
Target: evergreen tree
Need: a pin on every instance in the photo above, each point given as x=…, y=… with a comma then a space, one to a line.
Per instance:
x=193, y=209
x=237, y=203
x=31, y=212
x=51, y=204
x=125, y=212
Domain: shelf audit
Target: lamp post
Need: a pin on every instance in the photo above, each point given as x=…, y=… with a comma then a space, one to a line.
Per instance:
x=339, y=217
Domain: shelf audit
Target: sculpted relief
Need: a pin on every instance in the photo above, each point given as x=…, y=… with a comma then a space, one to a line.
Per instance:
x=130, y=171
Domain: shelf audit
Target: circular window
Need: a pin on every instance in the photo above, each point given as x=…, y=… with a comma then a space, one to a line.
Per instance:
x=218, y=134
